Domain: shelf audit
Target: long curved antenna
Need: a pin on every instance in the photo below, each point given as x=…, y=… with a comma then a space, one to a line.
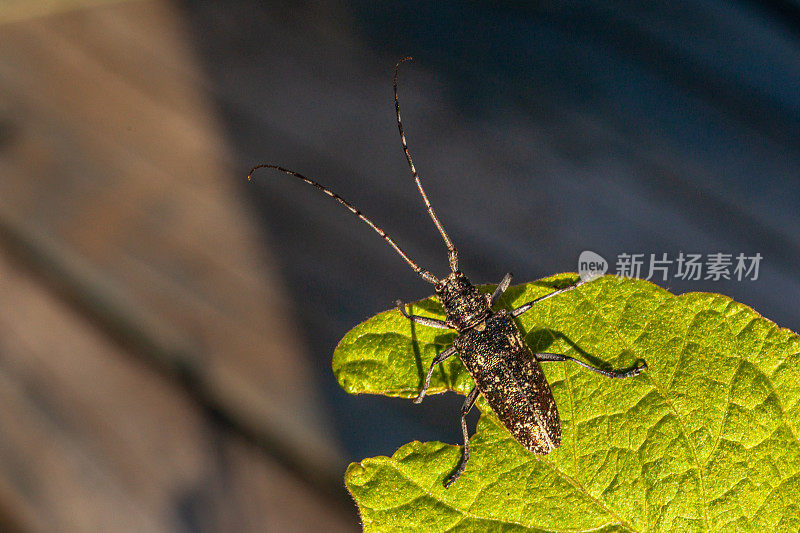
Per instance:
x=452, y=252
x=421, y=272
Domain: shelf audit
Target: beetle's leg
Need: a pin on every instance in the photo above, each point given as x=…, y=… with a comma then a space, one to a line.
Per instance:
x=425, y=321
x=468, y=403
x=501, y=288
x=436, y=360
x=525, y=307
x=635, y=371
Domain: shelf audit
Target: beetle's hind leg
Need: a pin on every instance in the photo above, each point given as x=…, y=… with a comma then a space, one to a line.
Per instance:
x=635, y=371
x=436, y=360
x=468, y=403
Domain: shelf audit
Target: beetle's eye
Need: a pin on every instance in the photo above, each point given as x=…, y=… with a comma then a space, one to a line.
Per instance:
x=438, y=287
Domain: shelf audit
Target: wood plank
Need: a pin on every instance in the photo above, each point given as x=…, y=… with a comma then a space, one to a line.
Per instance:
x=18, y=10
x=118, y=166
x=95, y=440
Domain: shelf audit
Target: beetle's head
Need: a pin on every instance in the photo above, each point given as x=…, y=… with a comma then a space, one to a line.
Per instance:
x=464, y=304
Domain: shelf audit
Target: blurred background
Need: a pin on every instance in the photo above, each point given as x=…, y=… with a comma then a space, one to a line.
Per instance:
x=166, y=328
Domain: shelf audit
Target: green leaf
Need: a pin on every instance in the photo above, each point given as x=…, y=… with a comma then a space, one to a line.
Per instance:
x=705, y=440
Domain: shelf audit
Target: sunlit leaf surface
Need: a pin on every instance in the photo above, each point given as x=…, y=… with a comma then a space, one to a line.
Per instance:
x=705, y=440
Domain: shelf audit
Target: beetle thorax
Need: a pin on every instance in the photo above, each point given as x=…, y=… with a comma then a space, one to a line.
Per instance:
x=464, y=304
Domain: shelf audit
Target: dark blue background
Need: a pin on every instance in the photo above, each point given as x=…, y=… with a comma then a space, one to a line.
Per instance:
x=540, y=130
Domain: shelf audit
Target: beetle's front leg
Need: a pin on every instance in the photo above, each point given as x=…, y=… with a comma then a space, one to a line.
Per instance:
x=425, y=321
x=436, y=360
x=501, y=288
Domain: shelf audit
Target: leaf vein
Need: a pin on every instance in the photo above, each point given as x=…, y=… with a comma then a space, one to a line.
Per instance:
x=681, y=427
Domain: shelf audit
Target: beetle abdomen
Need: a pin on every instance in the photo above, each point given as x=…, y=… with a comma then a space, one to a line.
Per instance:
x=512, y=382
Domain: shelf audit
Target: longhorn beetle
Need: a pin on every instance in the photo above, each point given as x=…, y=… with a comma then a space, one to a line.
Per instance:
x=489, y=342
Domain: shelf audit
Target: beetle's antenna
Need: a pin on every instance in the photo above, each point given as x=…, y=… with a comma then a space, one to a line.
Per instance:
x=452, y=252
x=421, y=272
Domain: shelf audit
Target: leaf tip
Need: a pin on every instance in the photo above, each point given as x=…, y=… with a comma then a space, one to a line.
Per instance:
x=355, y=474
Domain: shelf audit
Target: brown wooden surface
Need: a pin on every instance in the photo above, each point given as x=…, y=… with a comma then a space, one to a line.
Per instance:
x=94, y=440
x=124, y=241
